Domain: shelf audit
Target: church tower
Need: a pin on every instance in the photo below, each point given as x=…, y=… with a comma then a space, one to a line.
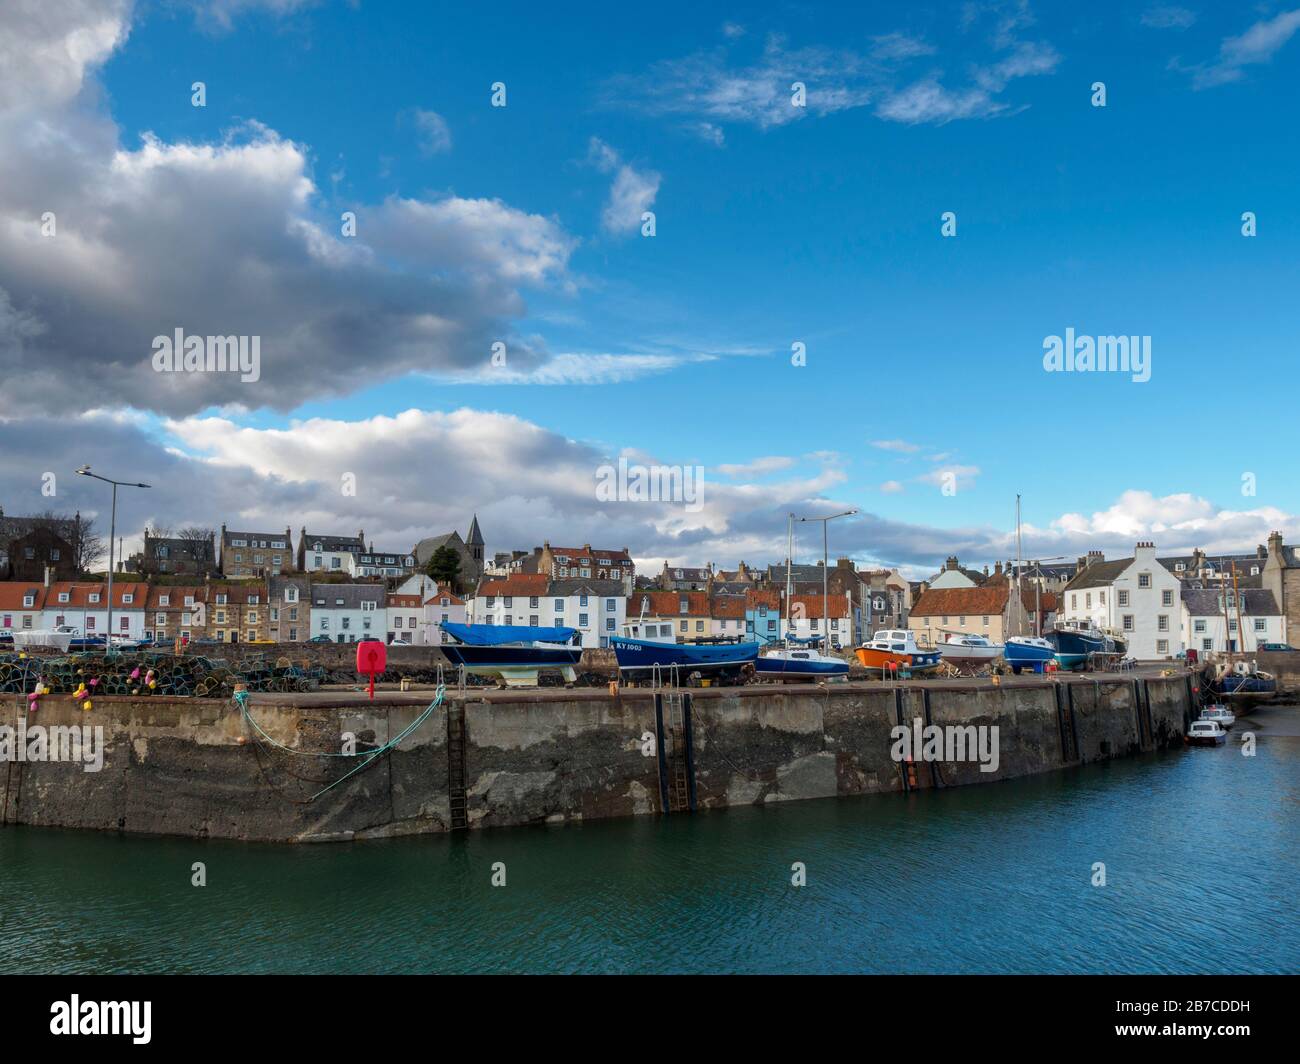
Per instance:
x=474, y=541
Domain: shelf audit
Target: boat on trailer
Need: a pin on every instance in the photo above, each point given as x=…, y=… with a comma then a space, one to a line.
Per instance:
x=1027, y=652
x=517, y=654
x=969, y=650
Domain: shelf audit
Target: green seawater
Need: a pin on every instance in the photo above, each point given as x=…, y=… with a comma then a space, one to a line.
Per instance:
x=1201, y=851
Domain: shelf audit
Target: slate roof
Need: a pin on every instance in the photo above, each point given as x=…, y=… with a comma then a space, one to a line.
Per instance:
x=1255, y=603
x=1098, y=574
x=578, y=586
x=326, y=596
x=351, y=544
x=523, y=584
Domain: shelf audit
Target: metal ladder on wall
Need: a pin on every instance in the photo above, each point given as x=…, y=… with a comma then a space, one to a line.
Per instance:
x=456, y=764
x=674, y=754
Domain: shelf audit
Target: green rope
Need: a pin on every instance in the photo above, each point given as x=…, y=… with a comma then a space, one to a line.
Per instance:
x=241, y=700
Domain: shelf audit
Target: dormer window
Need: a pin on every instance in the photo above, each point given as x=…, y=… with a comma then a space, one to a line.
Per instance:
x=63, y=596
x=164, y=600
x=221, y=598
x=29, y=601
x=127, y=599
x=316, y=547
x=94, y=598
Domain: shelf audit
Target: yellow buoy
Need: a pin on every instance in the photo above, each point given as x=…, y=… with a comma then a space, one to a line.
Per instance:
x=86, y=705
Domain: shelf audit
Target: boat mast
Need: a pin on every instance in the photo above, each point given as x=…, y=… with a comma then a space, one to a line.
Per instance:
x=1020, y=602
x=789, y=561
x=1241, y=624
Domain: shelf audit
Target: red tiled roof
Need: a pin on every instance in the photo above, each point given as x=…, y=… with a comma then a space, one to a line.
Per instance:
x=812, y=606
x=668, y=604
x=961, y=601
x=12, y=593
x=436, y=599
x=728, y=606
x=516, y=584
x=768, y=597
x=404, y=601
x=175, y=595
x=79, y=595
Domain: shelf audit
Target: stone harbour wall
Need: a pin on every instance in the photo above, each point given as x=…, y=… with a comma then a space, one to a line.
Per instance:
x=197, y=768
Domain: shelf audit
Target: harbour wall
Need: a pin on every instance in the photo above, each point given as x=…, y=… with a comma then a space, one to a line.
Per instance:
x=198, y=768
x=1285, y=665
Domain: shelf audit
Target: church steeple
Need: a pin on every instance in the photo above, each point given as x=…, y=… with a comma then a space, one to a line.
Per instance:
x=474, y=541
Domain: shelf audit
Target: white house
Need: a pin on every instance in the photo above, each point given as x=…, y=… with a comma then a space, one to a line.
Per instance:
x=21, y=606
x=348, y=613
x=329, y=554
x=85, y=606
x=371, y=564
x=441, y=607
x=953, y=575
x=1137, y=597
x=1249, y=617
x=597, y=608
x=405, y=619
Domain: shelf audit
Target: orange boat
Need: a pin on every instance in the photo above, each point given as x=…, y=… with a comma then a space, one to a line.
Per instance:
x=895, y=650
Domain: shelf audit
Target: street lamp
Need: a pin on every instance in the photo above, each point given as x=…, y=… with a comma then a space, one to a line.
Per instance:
x=826, y=636
x=84, y=471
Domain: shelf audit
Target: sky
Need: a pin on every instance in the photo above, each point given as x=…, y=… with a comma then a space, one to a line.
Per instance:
x=797, y=331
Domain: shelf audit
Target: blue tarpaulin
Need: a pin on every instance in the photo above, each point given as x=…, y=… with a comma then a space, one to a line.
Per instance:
x=491, y=635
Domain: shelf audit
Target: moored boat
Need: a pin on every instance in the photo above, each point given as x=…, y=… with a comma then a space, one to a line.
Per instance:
x=1221, y=715
x=1205, y=733
x=1241, y=682
x=895, y=649
x=515, y=653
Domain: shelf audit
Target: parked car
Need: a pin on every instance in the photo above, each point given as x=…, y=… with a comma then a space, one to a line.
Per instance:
x=320, y=639
x=1276, y=646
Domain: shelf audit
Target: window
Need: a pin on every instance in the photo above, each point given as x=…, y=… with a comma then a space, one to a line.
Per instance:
x=683, y=606
x=507, y=601
x=293, y=635
x=29, y=601
x=347, y=623
x=986, y=622
x=582, y=620
x=1232, y=624
x=582, y=601
x=63, y=596
x=1144, y=579
x=397, y=622
x=1074, y=600
x=251, y=635
x=532, y=619
x=27, y=622
x=221, y=616
x=1162, y=646
x=336, y=563
x=699, y=626
x=1261, y=625
x=368, y=607
x=189, y=600
x=1162, y=623
x=252, y=616
x=160, y=618
x=1087, y=601
x=221, y=599
x=324, y=624
x=1121, y=598
x=1128, y=622
x=1207, y=644
x=509, y=620
x=275, y=614
x=609, y=605
x=685, y=626
x=609, y=624
x=94, y=597
x=1166, y=598
x=1179, y=567
x=532, y=601
x=491, y=601
x=1198, y=627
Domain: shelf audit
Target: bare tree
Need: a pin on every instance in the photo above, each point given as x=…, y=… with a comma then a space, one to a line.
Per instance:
x=198, y=540
x=80, y=533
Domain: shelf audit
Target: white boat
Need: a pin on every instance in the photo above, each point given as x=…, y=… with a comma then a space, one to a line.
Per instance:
x=969, y=649
x=60, y=637
x=1206, y=733
x=1220, y=714
x=793, y=663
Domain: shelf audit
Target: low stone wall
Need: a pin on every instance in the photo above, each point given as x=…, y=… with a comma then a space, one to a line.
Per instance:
x=1285, y=665
x=195, y=768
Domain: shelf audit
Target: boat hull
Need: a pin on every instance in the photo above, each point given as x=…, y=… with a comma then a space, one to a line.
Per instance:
x=960, y=655
x=1026, y=655
x=772, y=666
x=1206, y=740
x=518, y=666
x=884, y=661
x=644, y=655
x=1244, y=688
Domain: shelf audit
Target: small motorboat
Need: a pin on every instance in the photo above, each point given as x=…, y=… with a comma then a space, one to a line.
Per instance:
x=968, y=650
x=895, y=650
x=647, y=648
x=1220, y=714
x=1206, y=733
x=1027, y=652
x=515, y=653
x=793, y=663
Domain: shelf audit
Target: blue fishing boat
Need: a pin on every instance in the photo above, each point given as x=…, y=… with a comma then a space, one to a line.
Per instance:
x=1241, y=681
x=1027, y=652
x=514, y=652
x=1077, y=641
x=647, y=646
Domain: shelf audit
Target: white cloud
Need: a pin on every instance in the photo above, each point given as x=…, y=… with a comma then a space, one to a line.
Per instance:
x=632, y=193
x=891, y=487
x=959, y=476
x=433, y=131
x=1168, y=17
x=1256, y=45
x=757, y=467
x=900, y=46
x=899, y=446
x=227, y=238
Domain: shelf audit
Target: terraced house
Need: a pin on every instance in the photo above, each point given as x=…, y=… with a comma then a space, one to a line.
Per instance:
x=348, y=613
x=290, y=609
x=687, y=611
x=329, y=554
x=176, y=610
x=238, y=613
x=261, y=554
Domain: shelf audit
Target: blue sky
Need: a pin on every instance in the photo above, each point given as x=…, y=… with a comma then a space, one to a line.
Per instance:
x=819, y=225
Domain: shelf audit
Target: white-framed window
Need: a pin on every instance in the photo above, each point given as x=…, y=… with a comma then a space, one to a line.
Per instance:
x=1144, y=579
x=1207, y=644
x=63, y=596
x=1166, y=597
x=1121, y=598
x=1162, y=623
x=1128, y=622
x=1261, y=625
x=1162, y=646
x=1198, y=627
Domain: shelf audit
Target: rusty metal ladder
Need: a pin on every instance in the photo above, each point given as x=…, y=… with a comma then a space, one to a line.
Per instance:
x=456, y=764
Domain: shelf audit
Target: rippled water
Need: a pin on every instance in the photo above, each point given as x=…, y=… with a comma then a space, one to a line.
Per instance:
x=1200, y=847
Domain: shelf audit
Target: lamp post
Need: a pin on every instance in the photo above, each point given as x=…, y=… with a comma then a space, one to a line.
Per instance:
x=84, y=471
x=826, y=638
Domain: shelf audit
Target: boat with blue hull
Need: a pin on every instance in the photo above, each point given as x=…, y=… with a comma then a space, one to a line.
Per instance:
x=1077, y=643
x=515, y=653
x=1241, y=681
x=792, y=663
x=1027, y=652
x=647, y=647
